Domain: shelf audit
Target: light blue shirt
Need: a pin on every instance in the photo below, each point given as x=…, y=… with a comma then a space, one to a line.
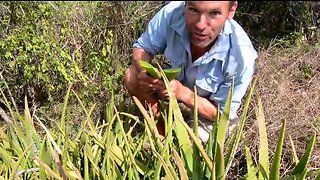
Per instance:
x=231, y=57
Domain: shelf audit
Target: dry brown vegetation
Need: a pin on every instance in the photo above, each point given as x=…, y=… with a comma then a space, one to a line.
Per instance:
x=289, y=86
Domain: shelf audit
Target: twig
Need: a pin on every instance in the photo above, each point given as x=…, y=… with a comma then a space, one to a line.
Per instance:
x=4, y=116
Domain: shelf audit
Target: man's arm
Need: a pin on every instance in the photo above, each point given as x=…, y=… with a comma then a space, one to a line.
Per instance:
x=139, y=54
x=206, y=108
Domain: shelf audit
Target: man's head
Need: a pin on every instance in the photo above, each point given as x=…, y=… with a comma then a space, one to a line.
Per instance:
x=205, y=19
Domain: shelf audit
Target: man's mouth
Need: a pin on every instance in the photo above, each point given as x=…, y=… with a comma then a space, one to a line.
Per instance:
x=200, y=36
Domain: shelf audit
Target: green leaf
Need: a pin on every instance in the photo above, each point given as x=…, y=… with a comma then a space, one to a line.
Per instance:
x=181, y=168
x=222, y=126
x=263, y=150
x=275, y=173
x=302, y=165
x=231, y=152
x=104, y=51
x=180, y=131
x=251, y=174
x=196, y=172
x=294, y=154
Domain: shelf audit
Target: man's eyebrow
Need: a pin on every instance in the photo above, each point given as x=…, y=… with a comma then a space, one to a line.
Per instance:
x=190, y=3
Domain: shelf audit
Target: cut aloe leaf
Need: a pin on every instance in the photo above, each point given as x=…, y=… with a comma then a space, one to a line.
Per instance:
x=172, y=73
x=151, y=70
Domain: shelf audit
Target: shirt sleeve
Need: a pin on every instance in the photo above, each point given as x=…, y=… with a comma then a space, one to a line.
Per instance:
x=153, y=39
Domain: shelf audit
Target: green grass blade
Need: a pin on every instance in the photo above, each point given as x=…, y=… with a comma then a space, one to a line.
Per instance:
x=274, y=172
x=302, y=165
x=263, y=149
x=231, y=152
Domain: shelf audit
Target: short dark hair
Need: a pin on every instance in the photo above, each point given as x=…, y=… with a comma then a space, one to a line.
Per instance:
x=231, y=3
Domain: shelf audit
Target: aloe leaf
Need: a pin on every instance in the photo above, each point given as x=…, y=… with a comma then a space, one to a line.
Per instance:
x=302, y=165
x=88, y=151
x=294, y=154
x=251, y=170
x=48, y=169
x=196, y=172
x=211, y=146
x=181, y=168
x=14, y=141
x=165, y=166
x=29, y=130
x=44, y=156
x=222, y=127
x=127, y=146
x=263, y=149
x=150, y=122
x=49, y=136
x=138, y=166
x=172, y=73
x=303, y=175
x=154, y=72
x=180, y=131
x=274, y=173
x=18, y=163
x=231, y=152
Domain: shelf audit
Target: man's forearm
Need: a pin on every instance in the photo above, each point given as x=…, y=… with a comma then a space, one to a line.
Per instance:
x=140, y=54
x=205, y=108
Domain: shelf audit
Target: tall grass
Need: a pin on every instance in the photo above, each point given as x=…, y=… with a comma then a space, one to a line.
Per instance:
x=110, y=150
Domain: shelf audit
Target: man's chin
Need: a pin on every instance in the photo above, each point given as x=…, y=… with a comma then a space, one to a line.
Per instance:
x=200, y=44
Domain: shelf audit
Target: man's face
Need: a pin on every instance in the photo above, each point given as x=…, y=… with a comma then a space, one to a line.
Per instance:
x=205, y=19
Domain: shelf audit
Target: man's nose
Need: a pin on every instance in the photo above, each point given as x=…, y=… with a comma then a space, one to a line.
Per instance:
x=202, y=23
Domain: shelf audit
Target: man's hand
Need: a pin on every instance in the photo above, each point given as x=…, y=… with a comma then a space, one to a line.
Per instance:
x=175, y=85
x=146, y=82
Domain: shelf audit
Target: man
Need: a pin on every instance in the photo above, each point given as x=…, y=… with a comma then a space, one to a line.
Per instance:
x=212, y=49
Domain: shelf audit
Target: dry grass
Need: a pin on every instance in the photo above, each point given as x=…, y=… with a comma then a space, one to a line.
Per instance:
x=287, y=93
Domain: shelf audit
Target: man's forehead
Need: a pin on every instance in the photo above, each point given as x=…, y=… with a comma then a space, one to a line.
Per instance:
x=211, y=3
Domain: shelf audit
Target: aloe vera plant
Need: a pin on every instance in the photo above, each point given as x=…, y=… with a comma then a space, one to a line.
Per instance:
x=107, y=150
x=170, y=73
x=269, y=170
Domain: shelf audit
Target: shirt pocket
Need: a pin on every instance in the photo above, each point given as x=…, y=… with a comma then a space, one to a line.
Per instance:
x=210, y=79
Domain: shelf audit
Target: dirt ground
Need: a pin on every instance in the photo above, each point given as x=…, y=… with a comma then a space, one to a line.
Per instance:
x=289, y=86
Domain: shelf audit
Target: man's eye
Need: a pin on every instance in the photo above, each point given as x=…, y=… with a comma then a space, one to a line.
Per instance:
x=215, y=13
x=193, y=10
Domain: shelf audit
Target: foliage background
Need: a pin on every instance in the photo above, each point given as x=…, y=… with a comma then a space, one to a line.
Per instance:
x=45, y=46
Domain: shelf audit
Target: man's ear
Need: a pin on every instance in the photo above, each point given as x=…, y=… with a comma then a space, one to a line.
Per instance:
x=232, y=10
